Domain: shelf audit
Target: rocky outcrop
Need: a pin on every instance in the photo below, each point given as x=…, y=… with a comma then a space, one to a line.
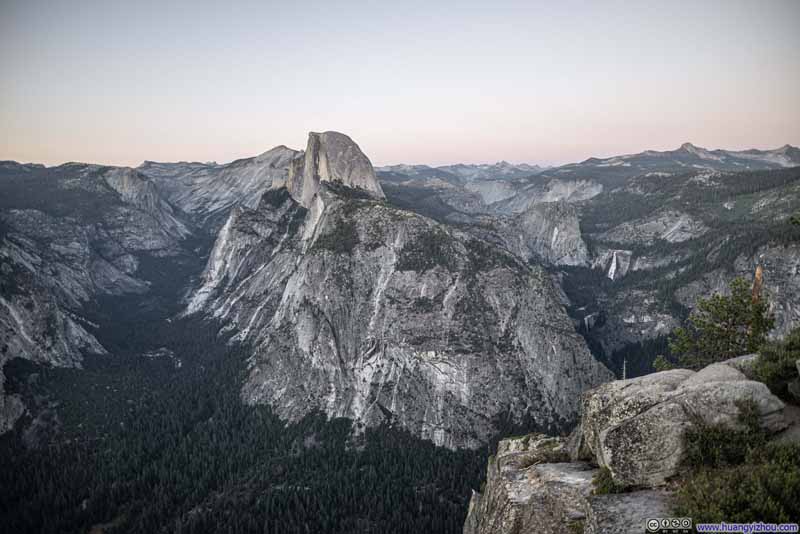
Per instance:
x=531, y=486
x=635, y=427
x=330, y=157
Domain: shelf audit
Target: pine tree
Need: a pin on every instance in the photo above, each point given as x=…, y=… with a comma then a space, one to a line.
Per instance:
x=723, y=327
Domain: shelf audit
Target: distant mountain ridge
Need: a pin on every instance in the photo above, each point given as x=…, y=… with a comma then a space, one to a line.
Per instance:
x=687, y=157
x=502, y=170
x=504, y=188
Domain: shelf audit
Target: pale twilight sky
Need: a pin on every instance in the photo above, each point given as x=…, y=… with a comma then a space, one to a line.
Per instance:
x=416, y=82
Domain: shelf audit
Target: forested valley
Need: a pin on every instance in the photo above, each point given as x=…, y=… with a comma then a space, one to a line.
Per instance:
x=155, y=438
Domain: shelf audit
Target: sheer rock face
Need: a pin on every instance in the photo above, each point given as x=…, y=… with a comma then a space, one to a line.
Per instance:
x=365, y=311
x=532, y=487
x=330, y=157
x=549, y=232
x=635, y=427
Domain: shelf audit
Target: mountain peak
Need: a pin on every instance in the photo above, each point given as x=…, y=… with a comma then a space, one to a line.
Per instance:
x=330, y=157
x=278, y=153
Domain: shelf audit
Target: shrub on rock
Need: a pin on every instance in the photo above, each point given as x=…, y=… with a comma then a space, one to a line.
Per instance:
x=764, y=488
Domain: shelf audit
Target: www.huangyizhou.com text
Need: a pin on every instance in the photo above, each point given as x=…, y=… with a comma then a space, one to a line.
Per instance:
x=747, y=528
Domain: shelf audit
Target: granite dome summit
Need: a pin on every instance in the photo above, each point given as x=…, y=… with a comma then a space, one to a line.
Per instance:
x=329, y=157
